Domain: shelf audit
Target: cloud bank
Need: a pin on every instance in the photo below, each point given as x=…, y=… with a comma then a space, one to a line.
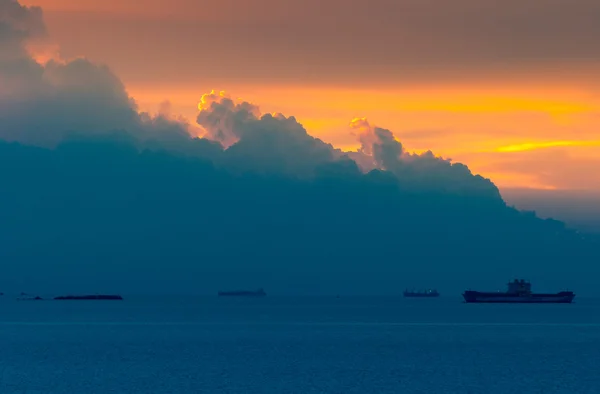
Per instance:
x=121, y=199
x=43, y=104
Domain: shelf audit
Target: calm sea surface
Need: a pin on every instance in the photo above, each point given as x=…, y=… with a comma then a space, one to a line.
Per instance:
x=297, y=345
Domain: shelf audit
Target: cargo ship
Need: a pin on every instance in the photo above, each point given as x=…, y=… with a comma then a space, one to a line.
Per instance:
x=518, y=292
x=89, y=297
x=422, y=293
x=37, y=298
x=243, y=293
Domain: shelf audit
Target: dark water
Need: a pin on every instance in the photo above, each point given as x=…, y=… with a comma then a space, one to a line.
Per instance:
x=298, y=345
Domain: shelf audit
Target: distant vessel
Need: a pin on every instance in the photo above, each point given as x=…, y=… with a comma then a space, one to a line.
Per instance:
x=90, y=297
x=422, y=293
x=243, y=293
x=519, y=291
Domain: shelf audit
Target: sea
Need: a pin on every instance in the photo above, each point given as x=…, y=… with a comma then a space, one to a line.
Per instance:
x=278, y=344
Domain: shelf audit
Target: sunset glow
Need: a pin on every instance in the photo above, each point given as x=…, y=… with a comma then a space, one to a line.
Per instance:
x=542, y=145
x=478, y=128
x=500, y=116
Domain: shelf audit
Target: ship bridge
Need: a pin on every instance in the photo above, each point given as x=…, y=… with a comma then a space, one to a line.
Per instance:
x=519, y=286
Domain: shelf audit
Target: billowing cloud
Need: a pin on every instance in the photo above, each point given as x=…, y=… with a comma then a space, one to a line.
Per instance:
x=261, y=142
x=378, y=143
x=275, y=143
x=77, y=96
x=421, y=171
x=59, y=98
x=18, y=26
x=223, y=119
x=44, y=103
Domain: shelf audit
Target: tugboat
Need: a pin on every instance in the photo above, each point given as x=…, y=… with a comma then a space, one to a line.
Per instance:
x=243, y=293
x=519, y=292
x=429, y=293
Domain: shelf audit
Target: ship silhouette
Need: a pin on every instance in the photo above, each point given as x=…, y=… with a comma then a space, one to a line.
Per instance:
x=518, y=291
x=102, y=297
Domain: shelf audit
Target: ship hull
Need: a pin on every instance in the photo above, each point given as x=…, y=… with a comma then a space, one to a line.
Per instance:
x=90, y=297
x=565, y=297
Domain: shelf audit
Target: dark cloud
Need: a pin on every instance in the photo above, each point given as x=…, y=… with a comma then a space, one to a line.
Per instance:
x=100, y=215
x=43, y=103
x=18, y=26
x=111, y=197
x=579, y=209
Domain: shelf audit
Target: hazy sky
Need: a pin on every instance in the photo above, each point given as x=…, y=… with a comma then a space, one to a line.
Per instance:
x=509, y=88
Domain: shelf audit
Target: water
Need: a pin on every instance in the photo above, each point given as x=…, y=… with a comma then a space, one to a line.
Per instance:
x=297, y=345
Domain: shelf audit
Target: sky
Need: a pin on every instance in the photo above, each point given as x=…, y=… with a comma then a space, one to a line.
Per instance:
x=509, y=88
x=106, y=187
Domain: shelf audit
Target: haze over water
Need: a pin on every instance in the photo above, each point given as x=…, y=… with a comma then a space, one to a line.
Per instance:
x=298, y=345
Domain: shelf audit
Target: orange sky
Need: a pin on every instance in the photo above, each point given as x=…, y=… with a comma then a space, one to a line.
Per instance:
x=512, y=101
x=518, y=138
